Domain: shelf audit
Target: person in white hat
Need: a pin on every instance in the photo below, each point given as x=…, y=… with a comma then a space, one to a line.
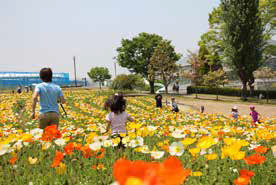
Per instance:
x=235, y=113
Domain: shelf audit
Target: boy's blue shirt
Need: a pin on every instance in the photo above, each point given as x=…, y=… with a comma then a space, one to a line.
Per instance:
x=49, y=94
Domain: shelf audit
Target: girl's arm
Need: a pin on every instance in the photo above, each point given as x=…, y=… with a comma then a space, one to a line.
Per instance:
x=130, y=118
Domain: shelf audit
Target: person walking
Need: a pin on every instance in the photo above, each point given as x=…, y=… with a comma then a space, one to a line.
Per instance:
x=158, y=99
x=50, y=94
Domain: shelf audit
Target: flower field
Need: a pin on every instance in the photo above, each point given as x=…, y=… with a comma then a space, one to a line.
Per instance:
x=162, y=148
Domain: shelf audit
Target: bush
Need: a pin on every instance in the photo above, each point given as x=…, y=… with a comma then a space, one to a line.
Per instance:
x=128, y=82
x=228, y=91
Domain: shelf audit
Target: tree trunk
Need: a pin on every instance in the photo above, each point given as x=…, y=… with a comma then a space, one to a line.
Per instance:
x=100, y=85
x=196, y=92
x=244, y=90
x=251, y=86
x=166, y=89
x=217, y=93
x=151, y=87
x=266, y=95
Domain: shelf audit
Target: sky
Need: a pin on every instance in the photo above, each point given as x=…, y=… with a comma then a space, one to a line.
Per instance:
x=48, y=33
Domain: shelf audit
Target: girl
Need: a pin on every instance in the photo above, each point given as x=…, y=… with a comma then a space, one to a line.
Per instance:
x=117, y=118
x=174, y=106
x=235, y=113
x=255, y=115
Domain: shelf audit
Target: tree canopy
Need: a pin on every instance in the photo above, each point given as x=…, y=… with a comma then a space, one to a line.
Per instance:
x=243, y=37
x=135, y=54
x=99, y=74
x=163, y=63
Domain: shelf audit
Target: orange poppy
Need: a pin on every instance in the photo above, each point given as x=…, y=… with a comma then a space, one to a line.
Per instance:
x=170, y=172
x=248, y=173
x=57, y=160
x=261, y=149
x=69, y=148
x=86, y=152
x=255, y=159
x=243, y=180
x=12, y=160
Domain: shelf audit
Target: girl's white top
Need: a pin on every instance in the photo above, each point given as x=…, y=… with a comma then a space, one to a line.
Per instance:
x=118, y=121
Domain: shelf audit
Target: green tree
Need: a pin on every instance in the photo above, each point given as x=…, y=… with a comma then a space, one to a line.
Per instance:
x=243, y=34
x=265, y=74
x=135, y=54
x=194, y=74
x=163, y=63
x=214, y=79
x=99, y=74
x=128, y=82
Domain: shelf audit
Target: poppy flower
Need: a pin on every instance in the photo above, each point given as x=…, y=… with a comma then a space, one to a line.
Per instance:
x=170, y=172
x=12, y=160
x=261, y=149
x=255, y=159
x=248, y=173
x=242, y=180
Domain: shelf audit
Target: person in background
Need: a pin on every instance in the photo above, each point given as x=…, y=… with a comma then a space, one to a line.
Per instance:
x=117, y=118
x=19, y=90
x=235, y=113
x=49, y=94
x=174, y=106
x=158, y=99
x=202, y=109
x=255, y=115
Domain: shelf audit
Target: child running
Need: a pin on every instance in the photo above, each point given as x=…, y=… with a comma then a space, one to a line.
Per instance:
x=117, y=118
x=235, y=113
x=255, y=115
x=174, y=106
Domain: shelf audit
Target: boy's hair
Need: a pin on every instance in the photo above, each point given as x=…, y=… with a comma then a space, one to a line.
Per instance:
x=46, y=74
x=118, y=104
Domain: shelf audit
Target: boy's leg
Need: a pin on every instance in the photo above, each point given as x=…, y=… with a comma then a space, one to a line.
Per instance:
x=43, y=121
x=53, y=118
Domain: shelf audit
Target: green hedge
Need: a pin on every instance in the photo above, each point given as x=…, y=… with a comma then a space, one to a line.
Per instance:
x=228, y=91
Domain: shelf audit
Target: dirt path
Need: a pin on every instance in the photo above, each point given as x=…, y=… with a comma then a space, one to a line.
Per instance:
x=225, y=107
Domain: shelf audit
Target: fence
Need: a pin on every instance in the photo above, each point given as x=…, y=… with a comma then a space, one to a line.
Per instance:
x=10, y=80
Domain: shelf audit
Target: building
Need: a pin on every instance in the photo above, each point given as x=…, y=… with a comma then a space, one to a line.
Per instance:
x=9, y=80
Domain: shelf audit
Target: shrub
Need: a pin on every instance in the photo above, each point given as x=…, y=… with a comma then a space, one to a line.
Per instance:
x=128, y=82
x=227, y=91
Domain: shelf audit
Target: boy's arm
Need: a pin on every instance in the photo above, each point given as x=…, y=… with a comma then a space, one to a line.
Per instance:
x=35, y=100
x=61, y=96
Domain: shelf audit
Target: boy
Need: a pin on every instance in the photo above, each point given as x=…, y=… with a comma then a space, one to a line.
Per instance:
x=50, y=94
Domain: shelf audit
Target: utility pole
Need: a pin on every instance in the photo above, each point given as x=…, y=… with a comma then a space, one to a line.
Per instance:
x=115, y=69
x=74, y=59
x=115, y=66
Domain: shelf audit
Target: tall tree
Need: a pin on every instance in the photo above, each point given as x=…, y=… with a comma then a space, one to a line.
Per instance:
x=163, y=63
x=243, y=34
x=99, y=74
x=135, y=54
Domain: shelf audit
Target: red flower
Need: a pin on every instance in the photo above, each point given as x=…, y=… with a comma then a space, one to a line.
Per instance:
x=51, y=132
x=247, y=173
x=254, y=159
x=86, y=152
x=170, y=172
x=12, y=160
x=261, y=149
x=57, y=160
x=243, y=180
x=69, y=148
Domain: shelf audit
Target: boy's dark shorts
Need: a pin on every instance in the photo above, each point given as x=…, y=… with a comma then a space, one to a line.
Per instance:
x=47, y=119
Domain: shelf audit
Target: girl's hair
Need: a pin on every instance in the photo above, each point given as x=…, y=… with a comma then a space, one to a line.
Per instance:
x=118, y=104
